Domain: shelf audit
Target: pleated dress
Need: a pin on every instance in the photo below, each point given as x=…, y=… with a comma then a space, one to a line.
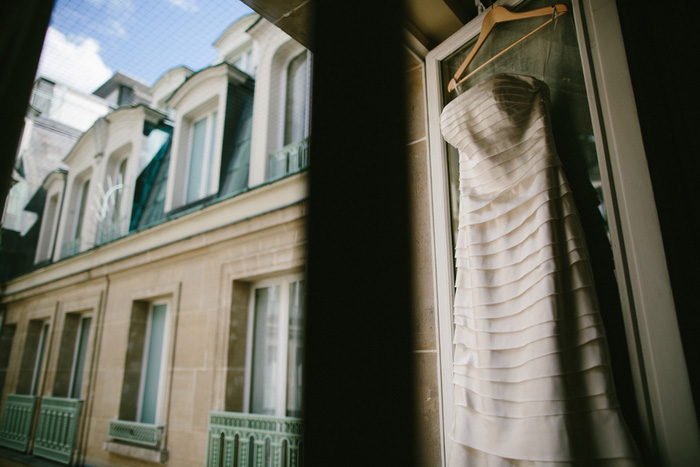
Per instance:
x=532, y=381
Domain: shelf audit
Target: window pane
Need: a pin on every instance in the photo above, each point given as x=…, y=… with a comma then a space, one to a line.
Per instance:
x=295, y=113
x=196, y=162
x=81, y=208
x=39, y=360
x=295, y=348
x=238, y=163
x=120, y=178
x=265, y=350
x=80, y=356
x=151, y=372
x=210, y=156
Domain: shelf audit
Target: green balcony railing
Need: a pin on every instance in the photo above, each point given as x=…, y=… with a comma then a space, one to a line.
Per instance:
x=17, y=419
x=135, y=432
x=289, y=159
x=238, y=439
x=110, y=231
x=57, y=428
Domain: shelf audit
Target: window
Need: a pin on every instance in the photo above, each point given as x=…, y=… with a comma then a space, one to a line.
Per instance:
x=33, y=358
x=144, y=372
x=276, y=345
x=48, y=229
x=112, y=216
x=201, y=156
x=294, y=120
x=296, y=114
x=78, y=368
x=126, y=95
x=119, y=179
x=72, y=355
x=152, y=367
x=43, y=95
x=81, y=208
x=7, y=336
x=618, y=148
x=245, y=62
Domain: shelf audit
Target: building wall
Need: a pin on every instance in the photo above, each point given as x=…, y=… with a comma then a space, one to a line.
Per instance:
x=424, y=329
x=207, y=325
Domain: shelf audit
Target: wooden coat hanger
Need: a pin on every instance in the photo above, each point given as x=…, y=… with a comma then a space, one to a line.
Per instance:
x=497, y=15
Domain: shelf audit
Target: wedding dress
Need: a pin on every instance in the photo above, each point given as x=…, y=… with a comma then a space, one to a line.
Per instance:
x=531, y=371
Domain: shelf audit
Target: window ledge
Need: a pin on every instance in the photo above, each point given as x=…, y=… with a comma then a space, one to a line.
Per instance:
x=121, y=448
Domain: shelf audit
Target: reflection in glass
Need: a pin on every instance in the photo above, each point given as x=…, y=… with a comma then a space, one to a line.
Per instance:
x=265, y=358
x=295, y=348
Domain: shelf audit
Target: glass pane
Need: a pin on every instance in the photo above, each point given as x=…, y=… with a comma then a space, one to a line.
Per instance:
x=81, y=208
x=265, y=351
x=237, y=164
x=80, y=356
x=295, y=348
x=119, y=179
x=210, y=156
x=196, y=162
x=297, y=89
x=552, y=55
x=151, y=372
x=39, y=360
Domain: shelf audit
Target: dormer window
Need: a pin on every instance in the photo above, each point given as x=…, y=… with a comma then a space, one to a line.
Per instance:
x=201, y=156
x=209, y=121
x=293, y=154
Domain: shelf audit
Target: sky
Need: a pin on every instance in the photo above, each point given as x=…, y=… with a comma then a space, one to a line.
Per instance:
x=89, y=40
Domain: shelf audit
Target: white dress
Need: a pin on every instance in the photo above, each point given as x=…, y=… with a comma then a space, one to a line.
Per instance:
x=531, y=371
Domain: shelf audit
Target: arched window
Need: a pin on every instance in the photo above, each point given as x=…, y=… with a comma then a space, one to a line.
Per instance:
x=296, y=117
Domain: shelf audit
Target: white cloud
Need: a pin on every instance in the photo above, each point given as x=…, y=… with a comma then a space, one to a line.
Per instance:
x=187, y=5
x=76, y=63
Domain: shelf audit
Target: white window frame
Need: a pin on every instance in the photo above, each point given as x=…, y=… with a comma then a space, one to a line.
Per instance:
x=163, y=362
x=283, y=339
x=658, y=363
x=208, y=152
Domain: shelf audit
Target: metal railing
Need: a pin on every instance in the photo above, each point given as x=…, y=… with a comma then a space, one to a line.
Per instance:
x=238, y=439
x=17, y=419
x=135, y=432
x=110, y=231
x=289, y=159
x=57, y=428
x=71, y=248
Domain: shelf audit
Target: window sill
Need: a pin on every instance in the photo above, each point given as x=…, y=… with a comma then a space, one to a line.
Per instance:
x=122, y=448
